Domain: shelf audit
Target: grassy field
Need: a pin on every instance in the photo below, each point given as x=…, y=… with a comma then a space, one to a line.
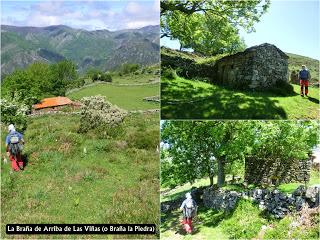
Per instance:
x=245, y=222
x=126, y=97
x=110, y=177
x=188, y=99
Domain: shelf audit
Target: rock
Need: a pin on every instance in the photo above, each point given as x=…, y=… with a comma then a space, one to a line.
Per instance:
x=299, y=203
x=312, y=196
x=220, y=199
x=300, y=191
x=169, y=206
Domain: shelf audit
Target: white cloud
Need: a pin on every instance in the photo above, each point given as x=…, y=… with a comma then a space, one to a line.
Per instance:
x=111, y=15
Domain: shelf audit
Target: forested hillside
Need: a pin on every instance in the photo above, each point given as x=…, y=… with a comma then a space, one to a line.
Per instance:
x=101, y=49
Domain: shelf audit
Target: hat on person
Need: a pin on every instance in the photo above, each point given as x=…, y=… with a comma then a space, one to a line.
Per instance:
x=188, y=195
x=11, y=128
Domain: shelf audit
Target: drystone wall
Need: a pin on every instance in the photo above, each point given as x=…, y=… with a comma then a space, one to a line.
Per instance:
x=273, y=201
x=185, y=65
x=269, y=171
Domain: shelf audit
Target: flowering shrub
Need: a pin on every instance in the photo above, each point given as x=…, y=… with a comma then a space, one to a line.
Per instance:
x=12, y=111
x=97, y=112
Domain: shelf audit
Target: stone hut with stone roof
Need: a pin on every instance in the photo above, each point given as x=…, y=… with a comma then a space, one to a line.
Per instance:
x=258, y=67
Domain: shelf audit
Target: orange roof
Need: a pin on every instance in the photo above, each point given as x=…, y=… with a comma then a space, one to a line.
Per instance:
x=52, y=102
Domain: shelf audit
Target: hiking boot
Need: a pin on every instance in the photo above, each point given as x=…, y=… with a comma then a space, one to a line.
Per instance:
x=306, y=95
x=301, y=95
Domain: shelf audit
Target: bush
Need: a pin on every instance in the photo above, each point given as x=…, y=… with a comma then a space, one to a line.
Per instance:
x=106, y=77
x=129, y=68
x=76, y=83
x=97, y=112
x=169, y=73
x=14, y=112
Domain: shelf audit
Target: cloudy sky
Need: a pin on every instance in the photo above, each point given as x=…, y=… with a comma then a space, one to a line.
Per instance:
x=90, y=15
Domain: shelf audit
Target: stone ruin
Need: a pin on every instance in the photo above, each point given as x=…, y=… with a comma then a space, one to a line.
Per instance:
x=258, y=67
x=274, y=172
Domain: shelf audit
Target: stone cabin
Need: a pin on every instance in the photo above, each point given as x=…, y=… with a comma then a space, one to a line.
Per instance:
x=257, y=67
x=54, y=104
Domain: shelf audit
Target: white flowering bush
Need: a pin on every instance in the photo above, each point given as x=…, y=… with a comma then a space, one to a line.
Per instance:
x=14, y=112
x=97, y=112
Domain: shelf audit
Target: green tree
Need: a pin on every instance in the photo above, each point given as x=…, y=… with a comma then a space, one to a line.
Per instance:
x=62, y=74
x=39, y=80
x=106, y=77
x=203, y=148
x=94, y=74
x=127, y=68
x=210, y=27
x=197, y=149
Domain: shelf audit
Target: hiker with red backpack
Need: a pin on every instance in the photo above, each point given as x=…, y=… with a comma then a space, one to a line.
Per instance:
x=14, y=141
x=304, y=76
x=189, y=208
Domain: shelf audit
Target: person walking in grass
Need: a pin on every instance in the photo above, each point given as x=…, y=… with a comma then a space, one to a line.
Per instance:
x=189, y=208
x=304, y=76
x=14, y=141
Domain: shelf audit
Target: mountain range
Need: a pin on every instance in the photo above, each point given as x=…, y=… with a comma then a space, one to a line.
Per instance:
x=101, y=49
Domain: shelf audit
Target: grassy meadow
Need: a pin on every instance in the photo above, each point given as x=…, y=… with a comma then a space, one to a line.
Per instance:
x=191, y=99
x=97, y=177
x=126, y=97
x=245, y=222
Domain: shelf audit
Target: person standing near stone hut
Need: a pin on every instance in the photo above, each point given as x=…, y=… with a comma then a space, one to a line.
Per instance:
x=304, y=76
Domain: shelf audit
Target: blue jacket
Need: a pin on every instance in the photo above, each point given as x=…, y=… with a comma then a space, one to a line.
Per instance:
x=20, y=136
x=304, y=74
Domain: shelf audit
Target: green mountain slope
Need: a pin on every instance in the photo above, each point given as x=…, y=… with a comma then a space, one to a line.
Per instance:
x=101, y=48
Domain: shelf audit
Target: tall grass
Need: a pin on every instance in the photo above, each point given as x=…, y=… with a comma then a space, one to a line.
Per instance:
x=109, y=177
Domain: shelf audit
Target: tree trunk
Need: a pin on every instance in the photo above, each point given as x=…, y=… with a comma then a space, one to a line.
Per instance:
x=211, y=181
x=221, y=176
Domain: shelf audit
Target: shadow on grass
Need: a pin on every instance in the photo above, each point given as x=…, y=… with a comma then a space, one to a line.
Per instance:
x=314, y=100
x=25, y=160
x=217, y=103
